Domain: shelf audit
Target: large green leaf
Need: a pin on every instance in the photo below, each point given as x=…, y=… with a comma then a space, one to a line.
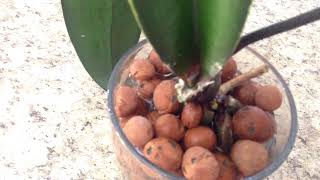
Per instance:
x=219, y=24
x=168, y=26
x=179, y=29
x=101, y=31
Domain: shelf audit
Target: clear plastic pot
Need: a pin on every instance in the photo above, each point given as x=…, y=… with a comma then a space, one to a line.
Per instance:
x=135, y=166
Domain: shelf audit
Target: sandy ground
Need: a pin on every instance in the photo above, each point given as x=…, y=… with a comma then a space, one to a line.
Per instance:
x=53, y=117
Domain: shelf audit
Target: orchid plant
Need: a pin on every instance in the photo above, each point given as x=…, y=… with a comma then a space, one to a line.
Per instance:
x=185, y=33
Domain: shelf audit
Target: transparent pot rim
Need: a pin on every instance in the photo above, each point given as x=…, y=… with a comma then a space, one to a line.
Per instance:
x=283, y=155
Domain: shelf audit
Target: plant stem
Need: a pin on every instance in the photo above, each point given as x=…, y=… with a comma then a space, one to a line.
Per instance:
x=278, y=28
x=227, y=86
x=184, y=93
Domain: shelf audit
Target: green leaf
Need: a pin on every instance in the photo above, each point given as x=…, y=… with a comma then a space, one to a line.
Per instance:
x=101, y=31
x=219, y=24
x=179, y=29
x=168, y=26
